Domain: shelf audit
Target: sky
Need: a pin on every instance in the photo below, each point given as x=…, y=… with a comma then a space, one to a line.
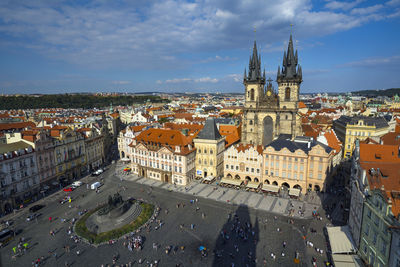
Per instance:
x=54, y=46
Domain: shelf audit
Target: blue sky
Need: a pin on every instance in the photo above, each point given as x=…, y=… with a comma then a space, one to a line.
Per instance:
x=55, y=46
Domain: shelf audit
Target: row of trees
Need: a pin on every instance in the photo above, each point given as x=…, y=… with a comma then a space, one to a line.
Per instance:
x=73, y=101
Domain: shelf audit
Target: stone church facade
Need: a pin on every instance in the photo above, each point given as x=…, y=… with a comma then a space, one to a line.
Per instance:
x=268, y=114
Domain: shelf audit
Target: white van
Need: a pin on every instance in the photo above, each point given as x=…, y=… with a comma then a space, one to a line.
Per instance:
x=95, y=185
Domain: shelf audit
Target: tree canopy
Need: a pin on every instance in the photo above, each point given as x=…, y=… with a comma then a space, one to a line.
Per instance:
x=74, y=101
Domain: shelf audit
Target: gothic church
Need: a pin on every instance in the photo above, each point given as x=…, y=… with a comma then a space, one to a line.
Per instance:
x=268, y=115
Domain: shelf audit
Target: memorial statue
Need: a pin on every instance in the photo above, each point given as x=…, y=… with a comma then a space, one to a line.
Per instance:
x=113, y=202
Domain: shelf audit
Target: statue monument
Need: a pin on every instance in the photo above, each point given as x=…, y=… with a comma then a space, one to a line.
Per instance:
x=114, y=214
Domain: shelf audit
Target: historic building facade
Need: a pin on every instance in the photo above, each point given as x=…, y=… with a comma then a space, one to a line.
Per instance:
x=164, y=155
x=268, y=114
x=303, y=164
x=244, y=162
x=19, y=180
x=210, y=146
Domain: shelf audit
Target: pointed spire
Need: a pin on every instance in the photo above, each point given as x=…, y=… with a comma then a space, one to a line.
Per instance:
x=245, y=74
x=254, y=65
x=279, y=71
x=290, y=62
x=264, y=74
x=284, y=59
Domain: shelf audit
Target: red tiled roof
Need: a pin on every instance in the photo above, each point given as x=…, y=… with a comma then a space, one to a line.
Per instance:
x=167, y=138
x=386, y=180
x=379, y=153
x=16, y=125
x=391, y=138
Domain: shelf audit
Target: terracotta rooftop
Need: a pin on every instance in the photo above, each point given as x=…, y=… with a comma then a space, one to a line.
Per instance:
x=16, y=125
x=333, y=140
x=384, y=176
x=391, y=138
x=379, y=153
x=163, y=137
x=242, y=148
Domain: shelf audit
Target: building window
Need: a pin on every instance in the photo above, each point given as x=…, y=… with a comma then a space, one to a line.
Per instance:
x=288, y=175
x=231, y=167
x=284, y=174
x=227, y=166
x=383, y=247
x=287, y=94
x=311, y=165
x=247, y=169
x=366, y=229
x=237, y=167
x=211, y=151
x=319, y=176
x=252, y=170
x=258, y=170
x=200, y=162
x=374, y=238
x=311, y=175
x=320, y=167
x=266, y=172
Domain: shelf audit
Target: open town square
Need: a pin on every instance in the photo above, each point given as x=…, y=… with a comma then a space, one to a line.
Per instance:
x=200, y=225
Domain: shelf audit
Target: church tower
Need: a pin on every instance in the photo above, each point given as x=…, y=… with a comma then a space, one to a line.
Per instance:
x=289, y=79
x=261, y=103
x=254, y=82
x=268, y=115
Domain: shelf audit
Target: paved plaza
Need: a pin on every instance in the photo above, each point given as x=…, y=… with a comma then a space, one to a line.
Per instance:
x=273, y=204
x=264, y=226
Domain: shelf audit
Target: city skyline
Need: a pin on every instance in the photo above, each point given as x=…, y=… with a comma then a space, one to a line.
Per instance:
x=194, y=46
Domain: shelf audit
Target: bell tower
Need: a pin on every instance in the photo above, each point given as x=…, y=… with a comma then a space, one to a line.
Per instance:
x=254, y=82
x=289, y=79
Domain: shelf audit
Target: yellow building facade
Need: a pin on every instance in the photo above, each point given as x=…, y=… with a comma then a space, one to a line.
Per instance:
x=210, y=147
x=349, y=129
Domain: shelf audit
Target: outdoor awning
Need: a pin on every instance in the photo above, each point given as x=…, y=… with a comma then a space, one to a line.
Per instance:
x=125, y=159
x=231, y=181
x=270, y=188
x=209, y=178
x=294, y=192
x=253, y=185
x=341, y=240
x=344, y=260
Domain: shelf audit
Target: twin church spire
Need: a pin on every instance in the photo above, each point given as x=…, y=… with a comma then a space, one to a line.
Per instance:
x=254, y=68
x=290, y=71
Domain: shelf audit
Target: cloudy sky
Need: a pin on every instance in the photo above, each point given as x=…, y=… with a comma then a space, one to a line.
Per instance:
x=55, y=46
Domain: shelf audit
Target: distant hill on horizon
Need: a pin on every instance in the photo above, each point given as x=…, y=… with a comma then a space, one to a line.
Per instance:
x=382, y=92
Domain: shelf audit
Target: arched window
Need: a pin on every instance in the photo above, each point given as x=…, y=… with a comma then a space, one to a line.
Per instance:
x=252, y=94
x=287, y=93
x=251, y=122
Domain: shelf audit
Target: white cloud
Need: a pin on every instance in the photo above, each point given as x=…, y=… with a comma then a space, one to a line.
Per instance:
x=374, y=62
x=206, y=80
x=150, y=35
x=367, y=10
x=181, y=80
x=343, y=5
x=393, y=3
x=121, y=82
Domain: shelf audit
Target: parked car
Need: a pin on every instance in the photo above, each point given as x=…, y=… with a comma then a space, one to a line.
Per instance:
x=97, y=172
x=68, y=189
x=33, y=216
x=76, y=184
x=65, y=200
x=36, y=208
